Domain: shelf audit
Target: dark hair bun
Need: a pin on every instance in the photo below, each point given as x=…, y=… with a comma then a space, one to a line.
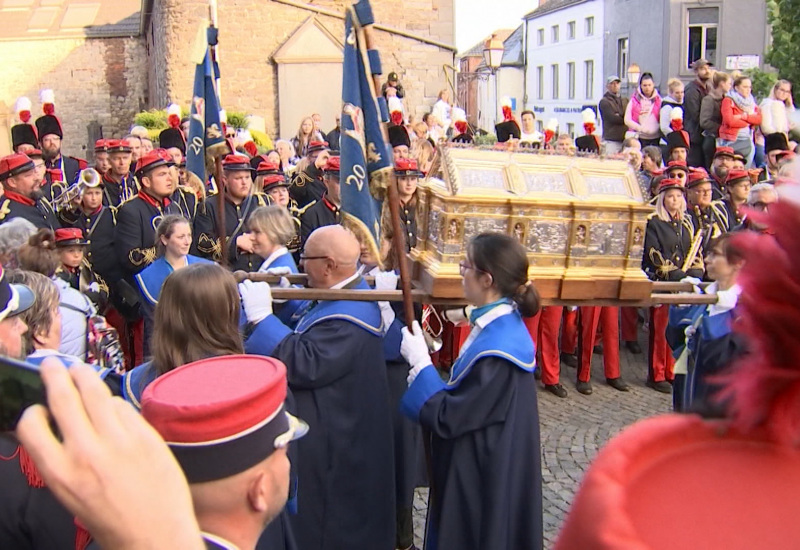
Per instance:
x=527, y=299
x=44, y=239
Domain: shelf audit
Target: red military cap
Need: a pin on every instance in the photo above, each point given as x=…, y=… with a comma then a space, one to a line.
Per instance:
x=101, y=146
x=275, y=180
x=737, y=175
x=34, y=153
x=677, y=165
x=13, y=165
x=267, y=168
x=724, y=152
x=118, y=146
x=223, y=415
x=670, y=183
x=235, y=163
x=406, y=167
x=332, y=166
x=153, y=159
x=696, y=177
x=70, y=236
x=317, y=146
x=783, y=155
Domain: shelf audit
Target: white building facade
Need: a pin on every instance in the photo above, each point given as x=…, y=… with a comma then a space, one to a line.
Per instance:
x=564, y=61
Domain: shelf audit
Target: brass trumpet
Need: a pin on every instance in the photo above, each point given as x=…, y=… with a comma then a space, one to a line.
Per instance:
x=89, y=177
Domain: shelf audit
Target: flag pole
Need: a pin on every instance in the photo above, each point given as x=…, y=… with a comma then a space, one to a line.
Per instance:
x=398, y=229
x=221, y=229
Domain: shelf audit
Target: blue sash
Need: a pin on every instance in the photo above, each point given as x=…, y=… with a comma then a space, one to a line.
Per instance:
x=135, y=381
x=366, y=315
x=151, y=278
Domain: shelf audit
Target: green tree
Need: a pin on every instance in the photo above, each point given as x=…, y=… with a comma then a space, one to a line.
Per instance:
x=763, y=81
x=784, y=53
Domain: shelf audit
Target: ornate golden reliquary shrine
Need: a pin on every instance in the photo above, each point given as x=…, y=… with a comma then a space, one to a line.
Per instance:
x=581, y=219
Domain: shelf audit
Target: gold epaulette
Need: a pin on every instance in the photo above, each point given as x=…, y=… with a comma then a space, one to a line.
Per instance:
x=4, y=209
x=652, y=215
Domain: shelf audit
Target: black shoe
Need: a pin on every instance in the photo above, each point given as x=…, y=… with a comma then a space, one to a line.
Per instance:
x=537, y=374
x=570, y=360
x=618, y=384
x=556, y=389
x=598, y=349
x=634, y=347
x=584, y=387
x=663, y=386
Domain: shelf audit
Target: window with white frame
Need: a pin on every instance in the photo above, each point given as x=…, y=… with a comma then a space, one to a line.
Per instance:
x=554, y=33
x=622, y=58
x=554, y=74
x=571, y=80
x=590, y=26
x=540, y=82
x=571, y=129
x=588, y=67
x=701, y=32
x=540, y=37
x=571, y=30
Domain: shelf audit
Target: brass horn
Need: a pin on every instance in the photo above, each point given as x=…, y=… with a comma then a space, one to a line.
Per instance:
x=89, y=177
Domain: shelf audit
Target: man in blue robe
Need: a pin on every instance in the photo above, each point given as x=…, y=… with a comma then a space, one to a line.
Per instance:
x=337, y=374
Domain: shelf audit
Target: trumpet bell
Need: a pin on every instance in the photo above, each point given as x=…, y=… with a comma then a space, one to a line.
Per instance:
x=432, y=328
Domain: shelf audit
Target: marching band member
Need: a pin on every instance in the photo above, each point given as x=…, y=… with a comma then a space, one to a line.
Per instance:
x=64, y=169
x=173, y=242
x=484, y=421
x=276, y=186
x=407, y=174
x=738, y=189
x=76, y=270
x=324, y=211
x=669, y=240
x=607, y=319
x=101, y=162
x=707, y=214
x=119, y=184
x=307, y=186
x=22, y=196
x=240, y=203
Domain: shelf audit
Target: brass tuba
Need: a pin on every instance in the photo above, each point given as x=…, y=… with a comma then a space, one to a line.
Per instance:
x=89, y=177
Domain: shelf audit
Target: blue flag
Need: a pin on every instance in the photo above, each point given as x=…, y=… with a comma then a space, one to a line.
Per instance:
x=206, y=138
x=366, y=160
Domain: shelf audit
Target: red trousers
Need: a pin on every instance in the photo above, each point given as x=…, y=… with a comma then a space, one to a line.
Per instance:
x=630, y=320
x=544, y=329
x=607, y=318
x=661, y=362
x=131, y=337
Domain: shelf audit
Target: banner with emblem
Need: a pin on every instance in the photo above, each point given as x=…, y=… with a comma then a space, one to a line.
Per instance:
x=366, y=161
x=206, y=138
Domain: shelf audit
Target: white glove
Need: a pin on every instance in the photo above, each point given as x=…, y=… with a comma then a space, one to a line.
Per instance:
x=386, y=280
x=695, y=282
x=414, y=350
x=278, y=271
x=257, y=300
x=414, y=372
x=283, y=282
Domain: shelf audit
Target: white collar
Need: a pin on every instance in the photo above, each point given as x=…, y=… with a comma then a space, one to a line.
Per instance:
x=533, y=136
x=492, y=314
x=219, y=541
x=342, y=284
x=277, y=253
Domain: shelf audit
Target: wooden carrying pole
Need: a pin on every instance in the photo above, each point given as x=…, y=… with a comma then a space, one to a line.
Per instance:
x=221, y=229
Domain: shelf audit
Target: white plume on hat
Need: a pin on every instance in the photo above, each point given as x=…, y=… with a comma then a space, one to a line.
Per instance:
x=589, y=116
x=395, y=105
x=459, y=115
x=173, y=109
x=242, y=136
x=505, y=101
x=223, y=116
x=22, y=104
x=47, y=96
x=676, y=114
x=552, y=125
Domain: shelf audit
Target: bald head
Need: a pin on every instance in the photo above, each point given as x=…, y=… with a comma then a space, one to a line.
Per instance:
x=332, y=253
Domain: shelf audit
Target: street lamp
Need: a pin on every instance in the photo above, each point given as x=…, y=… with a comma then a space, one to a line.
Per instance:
x=493, y=57
x=634, y=72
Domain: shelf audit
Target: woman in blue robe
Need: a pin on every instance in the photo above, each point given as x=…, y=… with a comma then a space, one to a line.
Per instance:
x=483, y=420
x=173, y=241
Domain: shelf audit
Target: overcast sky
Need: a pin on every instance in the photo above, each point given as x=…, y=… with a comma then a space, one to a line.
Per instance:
x=475, y=19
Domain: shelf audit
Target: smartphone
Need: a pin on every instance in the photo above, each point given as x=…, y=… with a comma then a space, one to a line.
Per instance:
x=20, y=387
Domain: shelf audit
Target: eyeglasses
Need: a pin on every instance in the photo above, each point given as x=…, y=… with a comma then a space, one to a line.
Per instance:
x=703, y=192
x=761, y=206
x=307, y=258
x=464, y=266
x=784, y=90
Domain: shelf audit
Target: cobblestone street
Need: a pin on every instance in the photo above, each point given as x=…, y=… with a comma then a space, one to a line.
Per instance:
x=574, y=429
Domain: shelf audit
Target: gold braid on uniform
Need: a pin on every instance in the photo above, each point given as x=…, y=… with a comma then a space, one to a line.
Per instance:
x=4, y=209
x=142, y=256
x=663, y=266
x=210, y=247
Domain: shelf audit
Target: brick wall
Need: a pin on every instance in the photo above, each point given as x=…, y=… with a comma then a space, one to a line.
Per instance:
x=101, y=80
x=251, y=31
